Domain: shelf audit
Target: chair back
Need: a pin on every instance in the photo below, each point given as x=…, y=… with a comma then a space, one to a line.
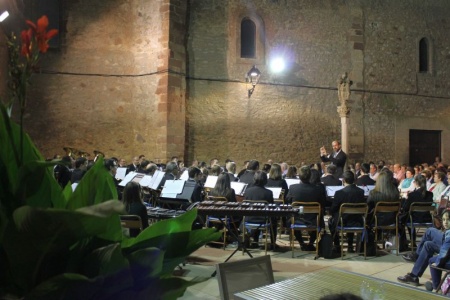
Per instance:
x=217, y=198
x=387, y=207
x=242, y=275
x=309, y=207
x=131, y=221
x=353, y=209
x=422, y=207
x=257, y=201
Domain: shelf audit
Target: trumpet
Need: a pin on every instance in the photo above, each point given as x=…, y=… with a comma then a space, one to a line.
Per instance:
x=83, y=154
x=70, y=151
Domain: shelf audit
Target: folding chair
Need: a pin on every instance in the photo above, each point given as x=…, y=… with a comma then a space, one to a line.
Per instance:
x=420, y=207
x=352, y=209
x=241, y=275
x=131, y=222
x=219, y=220
x=445, y=272
x=387, y=209
x=300, y=225
x=252, y=225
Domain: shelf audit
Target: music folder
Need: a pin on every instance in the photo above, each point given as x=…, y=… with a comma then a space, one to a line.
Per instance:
x=121, y=173
x=127, y=178
x=172, y=188
x=156, y=180
x=238, y=187
x=366, y=189
x=331, y=190
x=187, y=189
x=291, y=181
x=211, y=181
x=276, y=192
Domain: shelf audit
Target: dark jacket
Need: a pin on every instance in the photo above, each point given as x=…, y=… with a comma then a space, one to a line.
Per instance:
x=329, y=180
x=365, y=180
x=338, y=161
x=278, y=183
x=306, y=192
x=350, y=194
x=139, y=209
x=416, y=196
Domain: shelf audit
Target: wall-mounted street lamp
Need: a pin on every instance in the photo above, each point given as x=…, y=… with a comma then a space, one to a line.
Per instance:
x=4, y=15
x=253, y=78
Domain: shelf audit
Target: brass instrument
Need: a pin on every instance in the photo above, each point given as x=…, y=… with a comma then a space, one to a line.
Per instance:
x=71, y=152
x=83, y=154
x=97, y=154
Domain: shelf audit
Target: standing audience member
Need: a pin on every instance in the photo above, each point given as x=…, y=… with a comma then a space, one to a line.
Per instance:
x=134, y=205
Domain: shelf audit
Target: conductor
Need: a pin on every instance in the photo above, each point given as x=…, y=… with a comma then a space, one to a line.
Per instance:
x=337, y=158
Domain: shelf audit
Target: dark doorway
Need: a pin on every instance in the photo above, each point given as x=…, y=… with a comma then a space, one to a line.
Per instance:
x=424, y=146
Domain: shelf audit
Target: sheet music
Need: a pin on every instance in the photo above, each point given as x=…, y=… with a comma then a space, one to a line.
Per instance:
x=138, y=177
x=185, y=175
x=156, y=180
x=331, y=190
x=291, y=181
x=172, y=188
x=276, y=192
x=146, y=180
x=366, y=189
x=127, y=178
x=211, y=181
x=239, y=187
x=121, y=173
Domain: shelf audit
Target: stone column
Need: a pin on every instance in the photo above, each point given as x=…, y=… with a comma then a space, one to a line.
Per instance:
x=343, y=110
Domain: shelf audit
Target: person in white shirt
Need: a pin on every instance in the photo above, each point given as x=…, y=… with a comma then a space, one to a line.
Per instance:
x=373, y=172
x=438, y=186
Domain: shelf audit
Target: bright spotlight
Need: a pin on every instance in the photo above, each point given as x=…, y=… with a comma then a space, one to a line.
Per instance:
x=4, y=15
x=277, y=65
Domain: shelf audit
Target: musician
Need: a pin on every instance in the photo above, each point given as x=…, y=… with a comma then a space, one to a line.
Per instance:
x=349, y=194
x=249, y=174
x=134, y=205
x=364, y=179
x=133, y=167
x=62, y=171
x=258, y=192
x=328, y=179
x=275, y=179
x=111, y=166
x=122, y=163
x=307, y=192
x=338, y=157
x=171, y=173
x=195, y=175
x=80, y=169
x=223, y=188
x=231, y=169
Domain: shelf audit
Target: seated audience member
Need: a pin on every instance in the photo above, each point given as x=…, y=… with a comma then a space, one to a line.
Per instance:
x=307, y=192
x=399, y=175
x=364, y=179
x=223, y=188
x=329, y=178
x=406, y=185
x=438, y=186
x=171, y=173
x=248, y=176
x=384, y=191
x=373, y=171
x=231, y=170
x=276, y=180
x=357, y=169
x=442, y=259
x=195, y=175
x=419, y=195
x=291, y=173
x=428, y=177
x=349, y=194
x=432, y=242
x=134, y=205
x=258, y=192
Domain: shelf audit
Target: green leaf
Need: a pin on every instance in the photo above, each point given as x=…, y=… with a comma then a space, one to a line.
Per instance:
x=39, y=241
x=146, y=265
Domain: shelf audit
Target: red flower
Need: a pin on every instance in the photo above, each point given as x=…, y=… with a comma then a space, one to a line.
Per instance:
x=26, y=36
x=42, y=36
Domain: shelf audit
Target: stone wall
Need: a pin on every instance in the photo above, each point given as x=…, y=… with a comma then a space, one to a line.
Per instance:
x=165, y=77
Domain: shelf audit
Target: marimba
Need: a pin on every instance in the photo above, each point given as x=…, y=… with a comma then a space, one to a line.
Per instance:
x=246, y=209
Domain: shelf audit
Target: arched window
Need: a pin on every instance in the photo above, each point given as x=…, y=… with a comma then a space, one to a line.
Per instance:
x=248, y=39
x=423, y=55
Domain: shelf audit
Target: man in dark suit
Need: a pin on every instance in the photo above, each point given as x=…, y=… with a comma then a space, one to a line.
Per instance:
x=365, y=179
x=133, y=167
x=349, y=194
x=337, y=158
x=249, y=174
x=307, y=192
x=171, y=174
x=329, y=179
x=258, y=192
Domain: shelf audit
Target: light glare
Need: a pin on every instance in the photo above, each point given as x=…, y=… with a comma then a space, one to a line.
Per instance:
x=4, y=15
x=277, y=65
